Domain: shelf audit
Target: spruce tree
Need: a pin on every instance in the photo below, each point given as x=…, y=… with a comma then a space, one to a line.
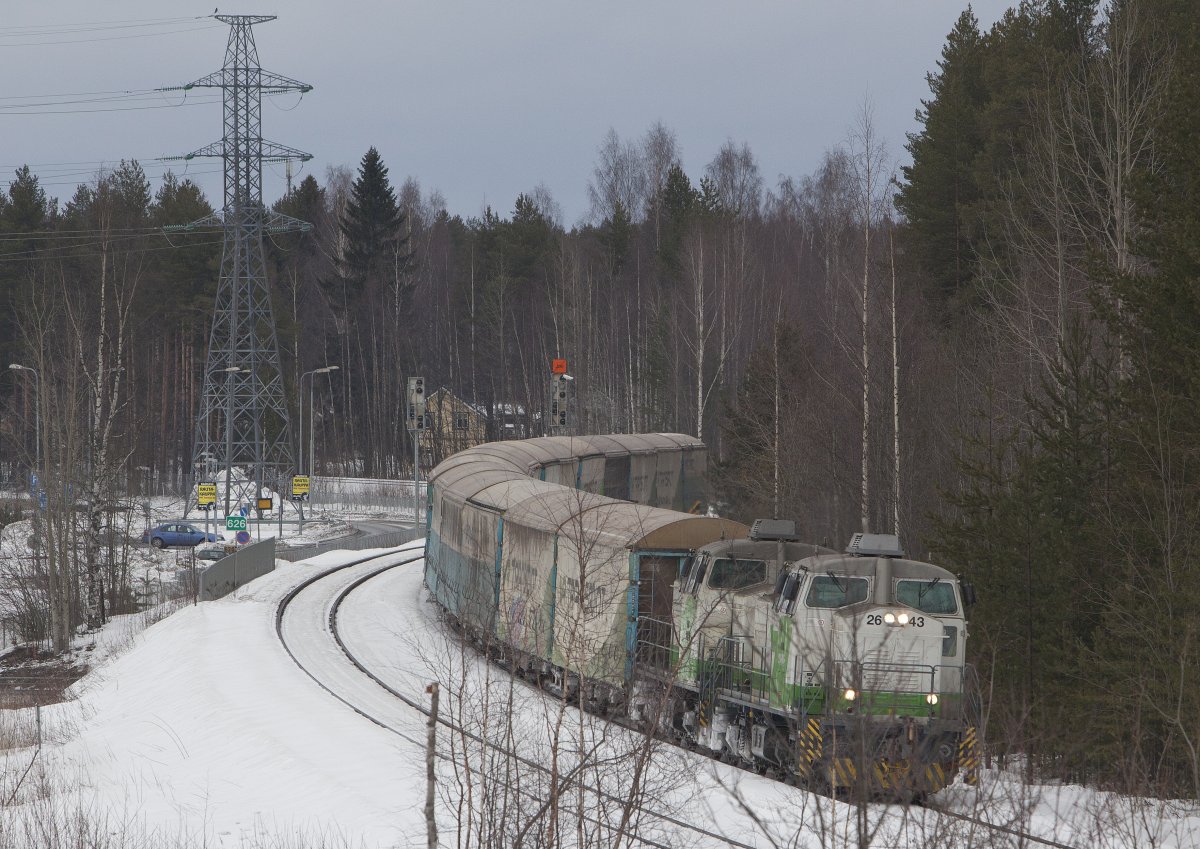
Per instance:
x=372, y=226
x=26, y=210
x=679, y=200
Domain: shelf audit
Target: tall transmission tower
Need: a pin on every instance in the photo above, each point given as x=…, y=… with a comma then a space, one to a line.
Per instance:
x=243, y=419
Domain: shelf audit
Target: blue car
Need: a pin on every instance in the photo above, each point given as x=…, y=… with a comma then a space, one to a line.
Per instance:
x=178, y=534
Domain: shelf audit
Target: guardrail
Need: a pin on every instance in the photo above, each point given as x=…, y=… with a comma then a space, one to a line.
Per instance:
x=232, y=571
x=354, y=543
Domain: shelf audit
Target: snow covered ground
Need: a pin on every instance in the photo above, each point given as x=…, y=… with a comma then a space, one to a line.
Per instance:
x=200, y=730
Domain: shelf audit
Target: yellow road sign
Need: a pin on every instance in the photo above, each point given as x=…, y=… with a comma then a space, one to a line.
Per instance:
x=206, y=494
x=300, y=485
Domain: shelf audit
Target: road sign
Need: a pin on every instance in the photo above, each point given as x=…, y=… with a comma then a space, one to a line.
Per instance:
x=265, y=504
x=558, y=366
x=206, y=494
x=243, y=537
x=235, y=523
x=300, y=487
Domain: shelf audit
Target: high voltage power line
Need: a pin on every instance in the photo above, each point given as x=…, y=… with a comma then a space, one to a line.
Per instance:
x=127, y=23
x=44, y=35
x=51, y=100
x=17, y=256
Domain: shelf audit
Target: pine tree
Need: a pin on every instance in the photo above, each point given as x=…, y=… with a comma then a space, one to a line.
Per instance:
x=940, y=189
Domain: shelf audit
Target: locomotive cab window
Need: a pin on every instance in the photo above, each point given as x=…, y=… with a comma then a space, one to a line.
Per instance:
x=831, y=591
x=729, y=573
x=936, y=596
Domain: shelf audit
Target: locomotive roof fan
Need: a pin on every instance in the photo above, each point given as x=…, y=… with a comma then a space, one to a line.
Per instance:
x=783, y=530
x=875, y=545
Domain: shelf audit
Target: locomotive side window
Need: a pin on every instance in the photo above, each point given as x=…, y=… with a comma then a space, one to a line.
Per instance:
x=695, y=575
x=934, y=596
x=685, y=569
x=733, y=574
x=949, y=641
x=836, y=591
x=786, y=603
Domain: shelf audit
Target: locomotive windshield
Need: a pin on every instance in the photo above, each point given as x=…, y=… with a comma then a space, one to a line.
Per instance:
x=836, y=591
x=934, y=596
x=734, y=574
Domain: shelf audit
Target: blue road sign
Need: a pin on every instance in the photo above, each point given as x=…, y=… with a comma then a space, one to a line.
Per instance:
x=243, y=537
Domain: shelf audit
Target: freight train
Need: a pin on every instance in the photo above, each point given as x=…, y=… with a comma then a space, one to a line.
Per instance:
x=582, y=562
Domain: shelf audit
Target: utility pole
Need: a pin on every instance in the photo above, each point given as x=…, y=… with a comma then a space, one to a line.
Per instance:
x=243, y=418
x=431, y=835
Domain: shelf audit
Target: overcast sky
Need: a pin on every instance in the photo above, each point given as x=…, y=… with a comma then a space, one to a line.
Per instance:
x=479, y=100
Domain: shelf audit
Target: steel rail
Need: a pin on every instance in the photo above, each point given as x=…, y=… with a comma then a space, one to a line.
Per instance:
x=424, y=711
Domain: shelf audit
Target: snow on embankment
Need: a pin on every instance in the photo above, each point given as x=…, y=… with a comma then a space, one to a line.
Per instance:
x=205, y=727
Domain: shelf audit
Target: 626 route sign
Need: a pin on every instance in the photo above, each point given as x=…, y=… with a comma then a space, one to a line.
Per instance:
x=235, y=523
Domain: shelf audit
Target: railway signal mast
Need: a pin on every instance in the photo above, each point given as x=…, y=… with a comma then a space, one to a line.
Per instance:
x=243, y=418
x=416, y=425
x=559, y=422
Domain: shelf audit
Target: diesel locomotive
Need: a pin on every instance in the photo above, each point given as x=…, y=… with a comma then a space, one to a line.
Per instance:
x=578, y=561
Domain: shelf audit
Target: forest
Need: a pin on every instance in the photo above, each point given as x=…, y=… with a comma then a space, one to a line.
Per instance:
x=991, y=350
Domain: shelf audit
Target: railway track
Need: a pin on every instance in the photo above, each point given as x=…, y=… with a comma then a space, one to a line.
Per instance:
x=419, y=707
x=376, y=716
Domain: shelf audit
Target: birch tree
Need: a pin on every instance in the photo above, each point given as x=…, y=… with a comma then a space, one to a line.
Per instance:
x=868, y=165
x=98, y=313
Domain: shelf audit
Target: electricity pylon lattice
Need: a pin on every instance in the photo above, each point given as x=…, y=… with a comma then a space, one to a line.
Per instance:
x=243, y=420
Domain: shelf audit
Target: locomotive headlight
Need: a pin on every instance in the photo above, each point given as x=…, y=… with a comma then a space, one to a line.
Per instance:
x=932, y=698
x=902, y=618
x=889, y=618
x=851, y=694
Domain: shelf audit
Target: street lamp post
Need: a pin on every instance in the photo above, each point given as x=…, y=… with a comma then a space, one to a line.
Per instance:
x=37, y=415
x=311, y=432
x=38, y=488
x=311, y=427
